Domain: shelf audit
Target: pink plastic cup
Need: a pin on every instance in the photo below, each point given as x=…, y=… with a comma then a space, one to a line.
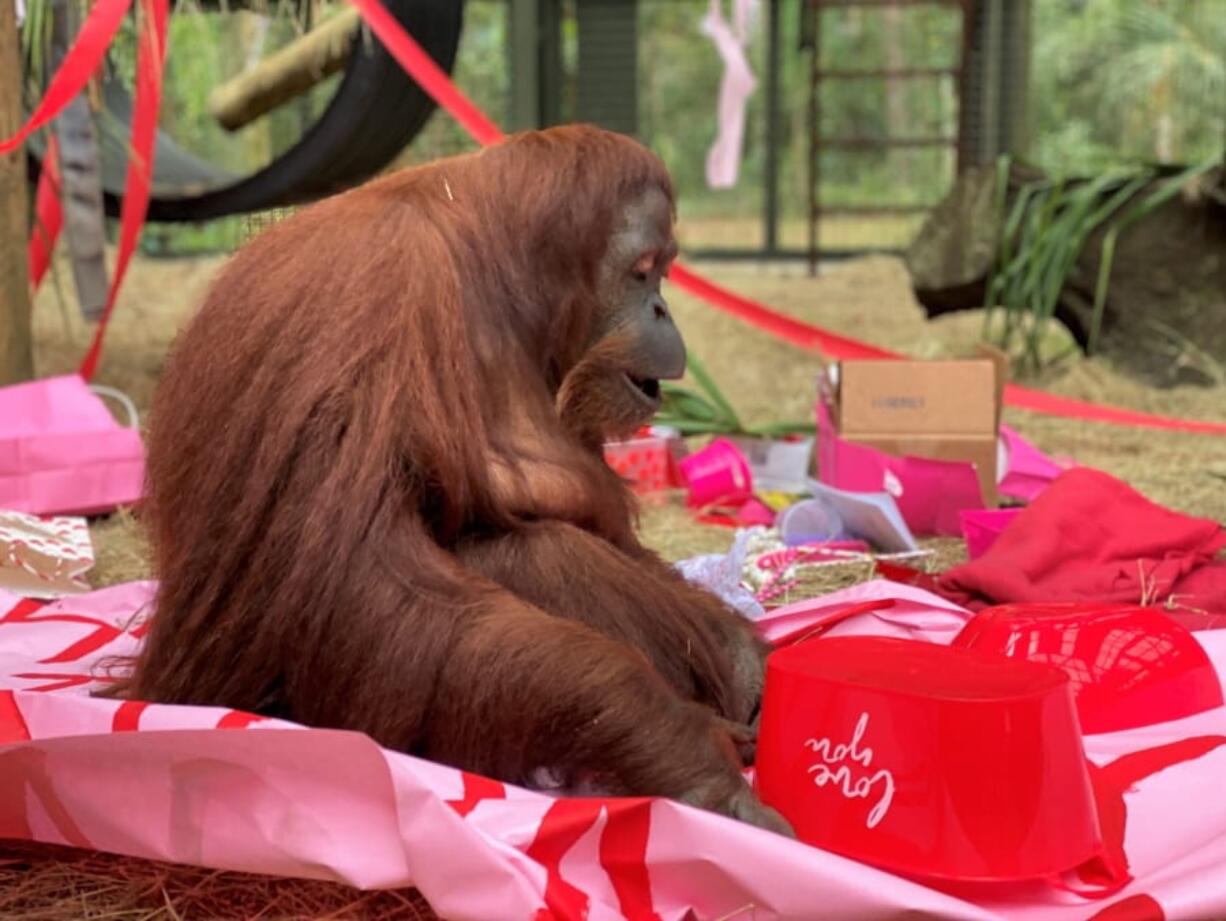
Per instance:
x=719, y=473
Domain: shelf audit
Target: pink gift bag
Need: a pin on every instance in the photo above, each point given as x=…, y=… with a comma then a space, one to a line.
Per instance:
x=62, y=452
x=930, y=493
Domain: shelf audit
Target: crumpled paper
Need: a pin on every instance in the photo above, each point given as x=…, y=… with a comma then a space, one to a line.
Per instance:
x=721, y=574
x=43, y=557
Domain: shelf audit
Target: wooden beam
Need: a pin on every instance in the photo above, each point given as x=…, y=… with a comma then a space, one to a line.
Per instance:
x=290, y=72
x=16, y=344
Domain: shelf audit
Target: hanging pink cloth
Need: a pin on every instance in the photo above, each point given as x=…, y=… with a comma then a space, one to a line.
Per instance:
x=736, y=86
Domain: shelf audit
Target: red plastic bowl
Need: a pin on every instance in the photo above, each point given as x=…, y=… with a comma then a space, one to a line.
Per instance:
x=926, y=760
x=1129, y=666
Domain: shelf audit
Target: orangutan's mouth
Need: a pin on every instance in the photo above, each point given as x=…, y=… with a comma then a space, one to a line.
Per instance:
x=648, y=388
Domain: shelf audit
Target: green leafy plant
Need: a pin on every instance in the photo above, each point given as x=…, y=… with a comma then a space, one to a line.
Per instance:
x=708, y=412
x=1041, y=237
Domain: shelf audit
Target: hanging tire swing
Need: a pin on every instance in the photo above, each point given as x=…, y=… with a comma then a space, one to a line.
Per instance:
x=375, y=112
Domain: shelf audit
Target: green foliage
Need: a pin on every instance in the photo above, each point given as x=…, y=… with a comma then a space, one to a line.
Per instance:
x=1119, y=82
x=1042, y=235
x=708, y=412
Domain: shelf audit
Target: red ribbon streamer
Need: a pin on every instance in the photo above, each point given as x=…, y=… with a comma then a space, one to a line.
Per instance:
x=779, y=325
x=440, y=88
x=82, y=60
x=1052, y=405
x=150, y=63
x=421, y=67
x=807, y=336
x=48, y=216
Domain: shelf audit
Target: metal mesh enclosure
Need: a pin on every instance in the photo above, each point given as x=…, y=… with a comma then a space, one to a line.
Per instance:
x=1077, y=86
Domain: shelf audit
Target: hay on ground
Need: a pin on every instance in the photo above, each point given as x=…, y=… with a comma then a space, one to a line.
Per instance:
x=42, y=882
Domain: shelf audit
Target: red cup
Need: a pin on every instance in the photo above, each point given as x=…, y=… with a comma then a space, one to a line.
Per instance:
x=1128, y=666
x=926, y=760
x=717, y=473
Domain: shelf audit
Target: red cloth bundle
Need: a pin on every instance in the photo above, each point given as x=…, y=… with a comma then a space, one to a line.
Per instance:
x=1090, y=537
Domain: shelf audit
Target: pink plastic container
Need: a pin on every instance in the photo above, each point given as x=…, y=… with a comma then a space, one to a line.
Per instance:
x=1128, y=666
x=719, y=473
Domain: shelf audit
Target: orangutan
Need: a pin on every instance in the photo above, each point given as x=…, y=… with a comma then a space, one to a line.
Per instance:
x=378, y=500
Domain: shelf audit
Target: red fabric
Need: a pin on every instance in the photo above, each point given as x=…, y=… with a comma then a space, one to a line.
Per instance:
x=1089, y=537
x=150, y=65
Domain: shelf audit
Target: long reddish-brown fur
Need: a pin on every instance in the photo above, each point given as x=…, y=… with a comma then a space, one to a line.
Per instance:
x=375, y=503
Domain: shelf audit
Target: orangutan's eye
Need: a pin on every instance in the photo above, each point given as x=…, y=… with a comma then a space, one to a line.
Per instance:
x=644, y=265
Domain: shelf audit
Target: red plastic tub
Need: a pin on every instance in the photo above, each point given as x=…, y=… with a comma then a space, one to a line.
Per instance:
x=926, y=760
x=1128, y=666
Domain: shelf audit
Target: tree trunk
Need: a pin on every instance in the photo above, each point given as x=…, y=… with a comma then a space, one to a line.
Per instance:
x=16, y=348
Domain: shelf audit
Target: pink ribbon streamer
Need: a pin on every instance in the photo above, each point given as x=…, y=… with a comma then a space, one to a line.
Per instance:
x=735, y=88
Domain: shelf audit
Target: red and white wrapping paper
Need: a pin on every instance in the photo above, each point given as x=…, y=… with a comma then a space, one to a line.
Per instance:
x=213, y=787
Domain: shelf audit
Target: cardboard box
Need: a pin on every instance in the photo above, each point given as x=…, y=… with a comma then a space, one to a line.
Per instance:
x=945, y=410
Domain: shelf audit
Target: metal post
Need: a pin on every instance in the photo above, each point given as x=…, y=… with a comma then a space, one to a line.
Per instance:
x=815, y=116
x=1017, y=38
x=607, y=79
x=525, y=63
x=770, y=175
x=992, y=69
x=552, y=77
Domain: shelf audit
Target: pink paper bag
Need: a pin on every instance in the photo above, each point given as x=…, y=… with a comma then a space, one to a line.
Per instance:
x=1028, y=471
x=62, y=452
x=982, y=526
x=930, y=493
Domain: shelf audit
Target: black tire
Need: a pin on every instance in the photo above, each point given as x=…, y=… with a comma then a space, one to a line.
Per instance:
x=376, y=111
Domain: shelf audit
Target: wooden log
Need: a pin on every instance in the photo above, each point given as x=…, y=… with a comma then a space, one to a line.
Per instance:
x=286, y=74
x=16, y=344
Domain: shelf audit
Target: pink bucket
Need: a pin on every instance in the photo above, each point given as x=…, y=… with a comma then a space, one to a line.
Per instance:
x=719, y=473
